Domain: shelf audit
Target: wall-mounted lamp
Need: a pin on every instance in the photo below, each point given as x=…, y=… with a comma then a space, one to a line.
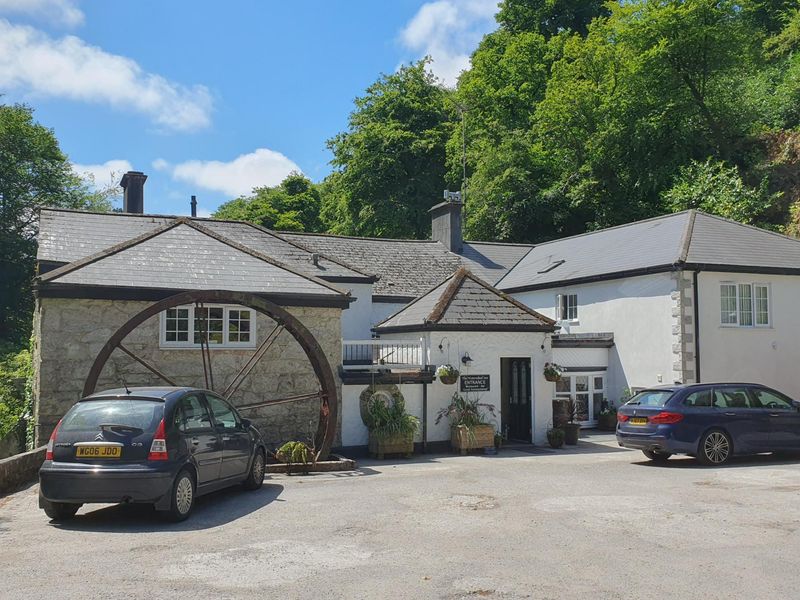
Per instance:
x=466, y=359
x=441, y=344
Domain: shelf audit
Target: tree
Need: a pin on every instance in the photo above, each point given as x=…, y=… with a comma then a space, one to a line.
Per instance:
x=549, y=17
x=718, y=189
x=34, y=173
x=389, y=166
x=294, y=205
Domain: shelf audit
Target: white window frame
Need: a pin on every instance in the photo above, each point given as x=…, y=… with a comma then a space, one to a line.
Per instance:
x=753, y=304
x=563, y=307
x=226, y=344
x=590, y=391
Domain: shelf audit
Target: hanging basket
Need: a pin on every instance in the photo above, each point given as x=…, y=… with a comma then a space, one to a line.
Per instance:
x=447, y=374
x=552, y=372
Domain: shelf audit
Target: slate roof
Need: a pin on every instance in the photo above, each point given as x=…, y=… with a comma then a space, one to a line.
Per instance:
x=465, y=302
x=66, y=236
x=408, y=268
x=685, y=240
x=185, y=255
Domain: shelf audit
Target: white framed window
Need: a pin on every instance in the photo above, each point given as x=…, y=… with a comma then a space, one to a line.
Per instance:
x=567, y=307
x=588, y=390
x=745, y=304
x=224, y=326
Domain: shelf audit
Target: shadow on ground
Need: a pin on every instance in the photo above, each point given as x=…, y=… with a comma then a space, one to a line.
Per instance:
x=213, y=510
x=689, y=462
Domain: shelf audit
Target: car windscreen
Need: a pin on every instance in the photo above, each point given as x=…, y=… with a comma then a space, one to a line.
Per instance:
x=129, y=412
x=651, y=398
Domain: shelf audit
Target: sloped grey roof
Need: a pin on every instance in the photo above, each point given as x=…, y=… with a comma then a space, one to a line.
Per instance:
x=689, y=239
x=66, y=236
x=184, y=255
x=465, y=302
x=409, y=268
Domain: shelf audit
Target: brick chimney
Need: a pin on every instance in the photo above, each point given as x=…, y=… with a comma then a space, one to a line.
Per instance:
x=446, y=222
x=133, y=184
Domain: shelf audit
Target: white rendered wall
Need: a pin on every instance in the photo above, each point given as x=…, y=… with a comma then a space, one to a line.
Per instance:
x=751, y=354
x=486, y=349
x=637, y=310
x=357, y=319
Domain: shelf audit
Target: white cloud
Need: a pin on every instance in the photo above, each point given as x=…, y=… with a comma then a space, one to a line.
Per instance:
x=70, y=68
x=449, y=31
x=235, y=178
x=58, y=12
x=105, y=175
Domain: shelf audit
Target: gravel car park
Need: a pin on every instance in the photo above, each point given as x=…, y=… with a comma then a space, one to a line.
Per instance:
x=595, y=522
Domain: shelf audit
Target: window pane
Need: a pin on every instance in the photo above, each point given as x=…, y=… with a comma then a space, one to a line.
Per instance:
x=698, y=399
x=597, y=400
x=209, y=320
x=745, y=305
x=223, y=414
x=572, y=306
x=582, y=406
x=176, y=324
x=731, y=397
x=728, y=304
x=598, y=383
x=563, y=385
x=192, y=414
x=582, y=383
x=772, y=400
x=762, y=304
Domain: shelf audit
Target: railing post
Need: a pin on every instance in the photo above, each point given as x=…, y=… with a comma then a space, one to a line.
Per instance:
x=424, y=349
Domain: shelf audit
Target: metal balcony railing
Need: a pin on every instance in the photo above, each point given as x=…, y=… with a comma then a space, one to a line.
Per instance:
x=384, y=355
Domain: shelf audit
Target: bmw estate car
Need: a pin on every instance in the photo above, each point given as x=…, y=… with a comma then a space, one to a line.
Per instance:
x=159, y=445
x=711, y=421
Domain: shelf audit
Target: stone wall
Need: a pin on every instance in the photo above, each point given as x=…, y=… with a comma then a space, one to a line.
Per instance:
x=71, y=332
x=683, y=344
x=20, y=469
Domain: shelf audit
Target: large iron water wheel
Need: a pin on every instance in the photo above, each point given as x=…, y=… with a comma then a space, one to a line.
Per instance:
x=329, y=402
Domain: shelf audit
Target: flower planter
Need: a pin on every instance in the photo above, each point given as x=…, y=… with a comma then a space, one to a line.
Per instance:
x=571, y=431
x=393, y=444
x=464, y=438
x=555, y=437
x=607, y=421
x=552, y=377
x=449, y=379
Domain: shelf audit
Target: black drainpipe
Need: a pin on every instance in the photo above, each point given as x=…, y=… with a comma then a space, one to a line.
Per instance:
x=696, y=328
x=425, y=418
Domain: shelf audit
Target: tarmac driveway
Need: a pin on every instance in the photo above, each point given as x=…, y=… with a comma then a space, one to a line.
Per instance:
x=599, y=522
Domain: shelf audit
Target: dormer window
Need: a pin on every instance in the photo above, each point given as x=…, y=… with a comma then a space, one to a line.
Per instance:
x=567, y=307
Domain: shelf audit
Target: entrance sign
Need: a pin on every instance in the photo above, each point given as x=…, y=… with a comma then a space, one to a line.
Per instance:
x=474, y=383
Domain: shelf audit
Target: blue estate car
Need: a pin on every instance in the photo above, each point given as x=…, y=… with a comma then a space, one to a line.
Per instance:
x=712, y=421
x=158, y=445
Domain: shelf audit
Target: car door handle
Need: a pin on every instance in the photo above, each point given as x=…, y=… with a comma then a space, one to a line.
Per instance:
x=195, y=441
x=226, y=438
x=774, y=414
x=730, y=414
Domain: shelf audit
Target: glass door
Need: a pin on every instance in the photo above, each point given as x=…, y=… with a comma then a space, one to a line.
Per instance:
x=588, y=392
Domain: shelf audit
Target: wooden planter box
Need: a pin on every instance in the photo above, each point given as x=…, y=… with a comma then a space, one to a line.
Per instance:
x=463, y=439
x=394, y=444
x=607, y=422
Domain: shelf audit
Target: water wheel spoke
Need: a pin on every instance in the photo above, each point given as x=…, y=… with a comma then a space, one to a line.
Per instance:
x=239, y=378
x=146, y=365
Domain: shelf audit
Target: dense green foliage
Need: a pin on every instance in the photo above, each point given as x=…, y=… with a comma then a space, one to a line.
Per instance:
x=294, y=205
x=15, y=373
x=389, y=419
x=33, y=173
x=580, y=115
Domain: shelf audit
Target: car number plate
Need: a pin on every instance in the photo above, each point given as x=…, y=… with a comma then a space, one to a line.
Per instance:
x=638, y=420
x=98, y=451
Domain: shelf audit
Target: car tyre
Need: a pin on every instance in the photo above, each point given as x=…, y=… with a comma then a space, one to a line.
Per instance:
x=715, y=448
x=656, y=456
x=183, y=496
x=61, y=511
x=257, y=472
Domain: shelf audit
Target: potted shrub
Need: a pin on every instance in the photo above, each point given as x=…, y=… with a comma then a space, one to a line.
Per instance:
x=607, y=421
x=571, y=428
x=297, y=456
x=447, y=374
x=552, y=372
x=391, y=428
x=555, y=437
x=468, y=426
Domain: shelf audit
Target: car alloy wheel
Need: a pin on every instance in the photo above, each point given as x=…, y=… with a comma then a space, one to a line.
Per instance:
x=184, y=494
x=716, y=448
x=257, y=472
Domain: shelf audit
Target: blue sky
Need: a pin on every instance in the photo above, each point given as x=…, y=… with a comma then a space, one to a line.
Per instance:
x=212, y=98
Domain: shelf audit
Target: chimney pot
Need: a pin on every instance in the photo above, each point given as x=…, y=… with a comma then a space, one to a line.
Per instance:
x=194, y=206
x=133, y=199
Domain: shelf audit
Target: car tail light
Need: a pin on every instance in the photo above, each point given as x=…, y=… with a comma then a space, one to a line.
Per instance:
x=158, y=449
x=49, y=453
x=666, y=418
x=622, y=418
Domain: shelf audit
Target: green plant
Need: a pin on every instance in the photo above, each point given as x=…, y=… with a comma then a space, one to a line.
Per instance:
x=465, y=412
x=552, y=371
x=15, y=379
x=295, y=453
x=555, y=437
x=607, y=407
x=389, y=419
x=571, y=409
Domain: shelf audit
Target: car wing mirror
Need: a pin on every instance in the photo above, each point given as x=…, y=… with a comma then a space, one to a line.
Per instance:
x=246, y=423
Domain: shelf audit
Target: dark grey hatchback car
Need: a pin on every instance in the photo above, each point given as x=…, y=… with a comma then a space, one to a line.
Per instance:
x=158, y=445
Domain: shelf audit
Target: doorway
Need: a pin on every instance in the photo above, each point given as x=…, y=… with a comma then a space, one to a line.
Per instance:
x=515, y=405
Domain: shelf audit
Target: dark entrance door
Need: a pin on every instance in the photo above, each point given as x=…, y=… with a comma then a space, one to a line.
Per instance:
x=515, y=385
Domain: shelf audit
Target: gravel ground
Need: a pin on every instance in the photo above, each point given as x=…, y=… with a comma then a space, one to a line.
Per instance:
x=597, y=522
